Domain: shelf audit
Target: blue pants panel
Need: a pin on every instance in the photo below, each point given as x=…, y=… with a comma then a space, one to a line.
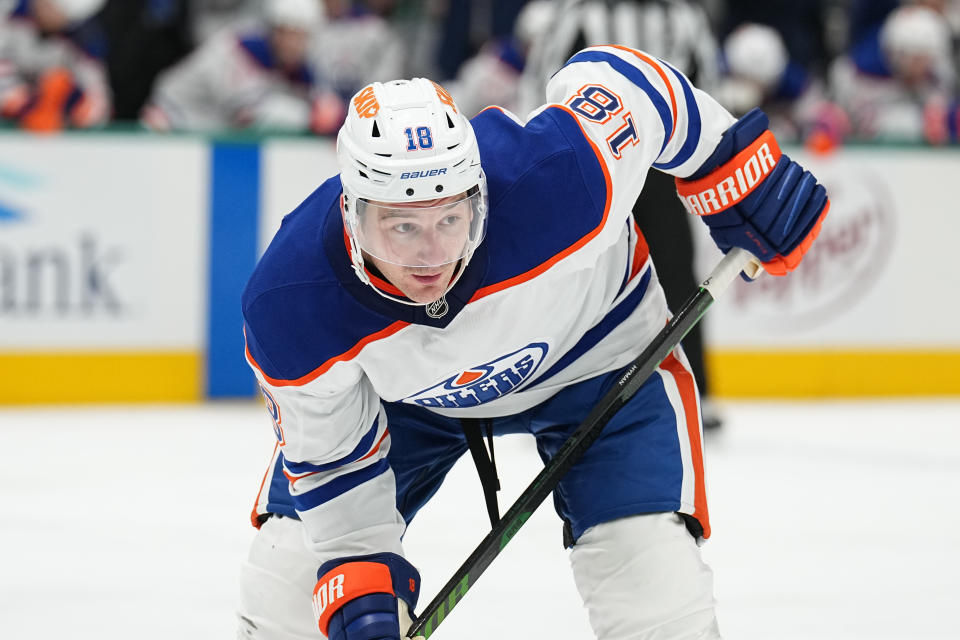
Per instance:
x=634, y=466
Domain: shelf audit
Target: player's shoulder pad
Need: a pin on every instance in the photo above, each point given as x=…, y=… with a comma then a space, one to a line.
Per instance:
x=297, y=316
x=293, y=253
x=547, y=186
x=515, y=154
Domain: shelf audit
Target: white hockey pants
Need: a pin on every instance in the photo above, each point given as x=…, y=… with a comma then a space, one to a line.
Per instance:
x=276, y=585
x=641, y=578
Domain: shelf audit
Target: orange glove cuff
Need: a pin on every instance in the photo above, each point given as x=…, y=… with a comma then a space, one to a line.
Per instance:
x=346, y=582
x=733, y=181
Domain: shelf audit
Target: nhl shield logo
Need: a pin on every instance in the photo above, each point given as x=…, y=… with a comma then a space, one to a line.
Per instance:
x=483, y=383
x=438, y=308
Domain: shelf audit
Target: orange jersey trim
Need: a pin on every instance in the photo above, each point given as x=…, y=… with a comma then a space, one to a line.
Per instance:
x=293, y=479
x=254, y=516
x=688, y=395
x=379, y=283
x=540, y=268
x=376, y=447
x=319, y=371
x=493, y=106
x=663, y=76
x=640, y=252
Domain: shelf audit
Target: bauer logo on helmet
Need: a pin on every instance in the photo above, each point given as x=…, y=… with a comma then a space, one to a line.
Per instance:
x=410, y=175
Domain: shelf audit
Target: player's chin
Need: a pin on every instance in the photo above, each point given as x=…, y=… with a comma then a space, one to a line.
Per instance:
x=424, y=295
x=426, y=286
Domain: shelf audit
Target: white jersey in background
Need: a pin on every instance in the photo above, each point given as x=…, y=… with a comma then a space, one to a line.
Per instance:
x=231, y=82
x=26, y=55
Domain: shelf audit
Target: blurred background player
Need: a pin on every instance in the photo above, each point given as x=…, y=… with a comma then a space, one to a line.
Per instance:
x=52, y=73
x=899, y=82
x=262, y=78
x=208, y=17
x=493, y=76
x=678, y=32
x=756, y=71
x=811, y=30
x=358, y=46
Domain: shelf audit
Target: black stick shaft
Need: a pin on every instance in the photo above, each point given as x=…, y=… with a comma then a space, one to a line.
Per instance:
x=533, y=496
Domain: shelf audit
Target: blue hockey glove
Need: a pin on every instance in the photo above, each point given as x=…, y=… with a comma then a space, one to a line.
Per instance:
x=752, y=196
x=366, y=597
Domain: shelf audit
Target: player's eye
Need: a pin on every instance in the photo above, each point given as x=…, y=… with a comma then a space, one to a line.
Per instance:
x=404, y=228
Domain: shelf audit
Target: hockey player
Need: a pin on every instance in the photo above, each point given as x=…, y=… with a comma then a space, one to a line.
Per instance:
x=461, y=276
x=51, y=65
x=900, y=84
x=260, y=79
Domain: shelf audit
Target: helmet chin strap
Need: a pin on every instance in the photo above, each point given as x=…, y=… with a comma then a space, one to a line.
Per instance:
x=436, y=309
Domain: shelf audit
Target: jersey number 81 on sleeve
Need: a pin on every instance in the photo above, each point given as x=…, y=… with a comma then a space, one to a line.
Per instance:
x=598, y=104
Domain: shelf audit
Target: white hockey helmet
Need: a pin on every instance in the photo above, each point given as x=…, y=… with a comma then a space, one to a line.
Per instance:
x=407, y=149
x=756, y=52
x=307, y=15
x=916, y=30
x=535, y=20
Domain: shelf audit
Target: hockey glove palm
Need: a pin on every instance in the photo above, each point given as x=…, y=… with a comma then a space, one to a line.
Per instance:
x=752, y=196
x=366, y=597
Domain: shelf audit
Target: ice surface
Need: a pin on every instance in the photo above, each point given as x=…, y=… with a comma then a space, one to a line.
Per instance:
x=831, y=520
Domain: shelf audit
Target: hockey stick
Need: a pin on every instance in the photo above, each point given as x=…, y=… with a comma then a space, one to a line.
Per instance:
x=627, y=385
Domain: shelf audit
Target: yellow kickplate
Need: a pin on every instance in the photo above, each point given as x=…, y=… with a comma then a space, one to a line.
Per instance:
x=833, y=374
x=81, y=377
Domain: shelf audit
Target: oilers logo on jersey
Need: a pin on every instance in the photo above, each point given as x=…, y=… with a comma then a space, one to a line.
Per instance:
x=485, y=382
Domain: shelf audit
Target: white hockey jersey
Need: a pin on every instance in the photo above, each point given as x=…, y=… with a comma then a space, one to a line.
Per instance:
x=232, y=81
x=561, y=290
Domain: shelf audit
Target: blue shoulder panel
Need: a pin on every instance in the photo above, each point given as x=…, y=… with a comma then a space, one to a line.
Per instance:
x=547, y=189
x=297, y=316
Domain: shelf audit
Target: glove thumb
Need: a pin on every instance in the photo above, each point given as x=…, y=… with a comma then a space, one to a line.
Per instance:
x=403, y=615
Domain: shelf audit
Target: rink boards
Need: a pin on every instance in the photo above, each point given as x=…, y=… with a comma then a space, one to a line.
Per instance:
x=122, y=256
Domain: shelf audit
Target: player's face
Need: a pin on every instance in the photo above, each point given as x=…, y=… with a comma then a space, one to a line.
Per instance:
x=289, y=46
x=423, y=285
x=48, y=15
x=418, y=245
x=915, y=70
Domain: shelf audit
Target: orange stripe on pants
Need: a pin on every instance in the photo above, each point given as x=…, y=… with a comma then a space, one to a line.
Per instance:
x=691, y=410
